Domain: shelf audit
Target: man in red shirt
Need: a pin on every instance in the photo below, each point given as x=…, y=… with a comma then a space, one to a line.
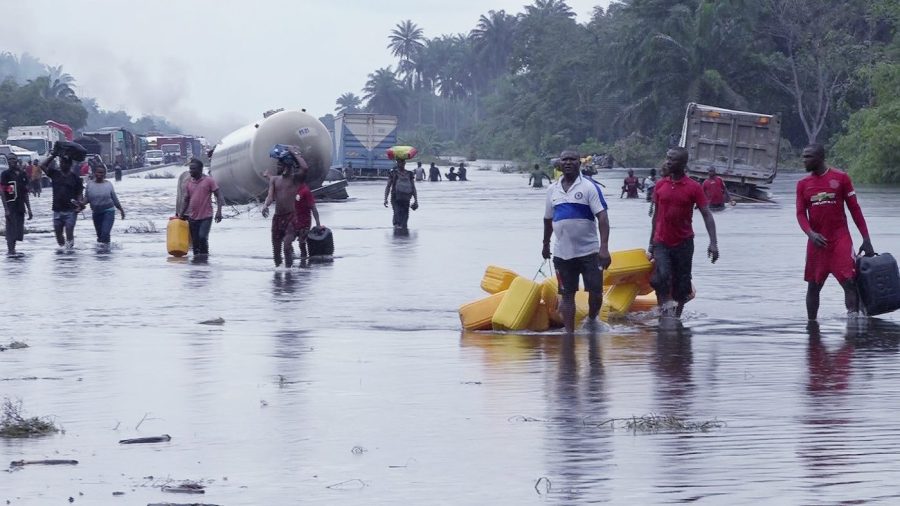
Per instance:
x=672, y=236
x=304, y=205
x=715, y=191
x=820, y=211
x=197, y=206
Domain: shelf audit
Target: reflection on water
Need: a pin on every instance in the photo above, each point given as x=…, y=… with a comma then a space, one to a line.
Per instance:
x=364, y=350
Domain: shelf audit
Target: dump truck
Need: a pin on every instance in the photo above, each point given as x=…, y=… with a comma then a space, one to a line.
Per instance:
x=742, y=147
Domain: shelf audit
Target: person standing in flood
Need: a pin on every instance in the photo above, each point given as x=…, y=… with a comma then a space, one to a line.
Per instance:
x=197, y=206
x=434, y=173
x=401, y=188
x=576, y=211
x=101, y=195
x=630, y=185
x=14, y=194
x=67, y=192
x=536, y=180
x=715, y=191
x=672, y=235
x=649, y=183
x=420, y=172
x=35, y=175
x=282, y=190
x=304, y=206
x=821, y=197
x=462, y=171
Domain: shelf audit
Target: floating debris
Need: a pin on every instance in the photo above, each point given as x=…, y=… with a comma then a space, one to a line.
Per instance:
x=214, y=321
x=654, y=423
x=543, y=485
x=147, y=227
x=187, y=487
x=523, y=419
x=354, y=484
x=165, y=438
x=52, y=462
x=358, y=450
x=14, y=424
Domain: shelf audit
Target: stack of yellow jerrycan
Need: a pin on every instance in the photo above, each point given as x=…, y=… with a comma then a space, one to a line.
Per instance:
x=178, y=237
x=517, y=303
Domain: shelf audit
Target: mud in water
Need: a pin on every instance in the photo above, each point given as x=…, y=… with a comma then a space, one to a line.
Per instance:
x=350, y=382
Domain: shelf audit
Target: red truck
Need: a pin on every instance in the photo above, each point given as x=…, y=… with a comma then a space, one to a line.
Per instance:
x=176, y=148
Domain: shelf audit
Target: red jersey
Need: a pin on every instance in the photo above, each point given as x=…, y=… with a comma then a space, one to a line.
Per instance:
x=714, y=189
x=303, y=204
x=820, y=205
x=675, y=201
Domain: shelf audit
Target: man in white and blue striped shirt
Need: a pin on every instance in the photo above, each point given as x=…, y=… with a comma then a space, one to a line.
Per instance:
x=576, y=212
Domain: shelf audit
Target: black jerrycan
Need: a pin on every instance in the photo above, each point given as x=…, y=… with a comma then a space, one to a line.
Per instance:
x=320, y=241
x=878, y=280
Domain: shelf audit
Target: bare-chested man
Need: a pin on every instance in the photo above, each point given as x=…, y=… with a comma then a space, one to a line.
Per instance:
x=282, y=191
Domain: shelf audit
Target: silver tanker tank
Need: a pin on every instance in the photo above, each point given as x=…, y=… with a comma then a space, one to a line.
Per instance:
x=241, y=160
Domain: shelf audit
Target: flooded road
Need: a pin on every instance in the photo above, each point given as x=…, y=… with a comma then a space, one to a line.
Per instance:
x=351, y=383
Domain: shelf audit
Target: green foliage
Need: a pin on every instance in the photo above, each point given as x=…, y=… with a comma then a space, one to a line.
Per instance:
x=36, y=102
x=870, y=149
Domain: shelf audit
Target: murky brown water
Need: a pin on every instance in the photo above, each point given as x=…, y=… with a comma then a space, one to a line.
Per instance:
x=366, y=352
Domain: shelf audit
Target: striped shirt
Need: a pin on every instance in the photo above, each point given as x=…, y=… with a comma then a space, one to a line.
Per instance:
x=574, y=217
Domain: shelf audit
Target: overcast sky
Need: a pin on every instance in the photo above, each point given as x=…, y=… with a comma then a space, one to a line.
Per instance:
x=215, y=65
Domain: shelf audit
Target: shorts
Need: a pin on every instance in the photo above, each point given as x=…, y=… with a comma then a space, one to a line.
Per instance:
x=64, y=218
x=282, y=226
x=672, y=270
x=568, y=271
x=836, y=259
x=15, y=226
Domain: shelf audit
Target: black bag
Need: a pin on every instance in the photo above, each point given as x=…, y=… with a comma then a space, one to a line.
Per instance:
x=320, y=241
x=878, y=281
x=70, y=150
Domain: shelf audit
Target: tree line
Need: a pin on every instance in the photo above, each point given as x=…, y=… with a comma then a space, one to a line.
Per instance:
x=527, y=85
x=32, y=92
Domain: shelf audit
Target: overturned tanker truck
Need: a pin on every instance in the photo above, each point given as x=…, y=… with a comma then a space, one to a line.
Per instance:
x=241, y=166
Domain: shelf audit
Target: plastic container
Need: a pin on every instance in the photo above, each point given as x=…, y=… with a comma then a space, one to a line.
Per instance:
x=497, y=279
x=878, y=280
x=550, y=298
x=628, y=266
x=320, y=241
x=477, y=315
x=620, y=297
x=643, y=303
x=518, y=305
x=540, y=321
x=178, y=237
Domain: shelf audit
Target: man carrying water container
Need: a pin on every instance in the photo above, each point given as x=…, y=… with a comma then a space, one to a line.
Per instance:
x=576, y=211
x=820, y=211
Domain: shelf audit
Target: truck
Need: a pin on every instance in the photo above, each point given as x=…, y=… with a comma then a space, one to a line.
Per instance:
x=361, y=141
x=742, y=147
x=176, y=148
x=37, y=138
x=117, y=145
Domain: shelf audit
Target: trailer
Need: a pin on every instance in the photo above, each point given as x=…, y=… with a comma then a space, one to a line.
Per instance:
x=361, y=142
x=742, y=147
x=117, y=146
x=38, y=138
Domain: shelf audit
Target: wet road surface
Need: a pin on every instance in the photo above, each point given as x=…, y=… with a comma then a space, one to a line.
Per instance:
x=350, y=382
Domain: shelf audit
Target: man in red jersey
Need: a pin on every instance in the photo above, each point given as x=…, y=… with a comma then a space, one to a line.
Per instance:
x=820, y=211
x=671, y=233
x=715, y=191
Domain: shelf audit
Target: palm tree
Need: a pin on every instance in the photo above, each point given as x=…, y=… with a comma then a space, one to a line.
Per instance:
x=384, y=93
x=406, y=43
x=348, y=103
x=549, y=8
x=54, y=89
x=493, y=40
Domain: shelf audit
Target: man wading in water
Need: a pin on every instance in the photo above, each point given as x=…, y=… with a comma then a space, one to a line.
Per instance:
x=67, y=193
x=282, y=190
x=401, y=189
x=197, y=207
x=820, y=211
x=576, y=211
x=14, y=193
x=671, y=233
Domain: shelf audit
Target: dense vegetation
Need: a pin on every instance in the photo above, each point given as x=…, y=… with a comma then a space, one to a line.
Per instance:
x=528, y=84
x=32, y=92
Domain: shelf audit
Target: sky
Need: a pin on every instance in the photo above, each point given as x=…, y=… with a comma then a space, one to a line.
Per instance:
x=212, y=66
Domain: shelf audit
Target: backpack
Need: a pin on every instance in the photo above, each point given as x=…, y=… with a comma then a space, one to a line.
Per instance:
x=403, y=186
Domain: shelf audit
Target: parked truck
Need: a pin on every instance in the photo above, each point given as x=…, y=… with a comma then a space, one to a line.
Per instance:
x=37, y=138
x=176, y=148
x=117, y=145
x=742, y=146
x=361, y=142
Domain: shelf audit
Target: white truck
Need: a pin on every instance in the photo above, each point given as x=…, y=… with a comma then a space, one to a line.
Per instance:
x=742, y=147
x=38, y=138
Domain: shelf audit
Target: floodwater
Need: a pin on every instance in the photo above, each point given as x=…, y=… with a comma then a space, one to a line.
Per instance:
x=350, y=382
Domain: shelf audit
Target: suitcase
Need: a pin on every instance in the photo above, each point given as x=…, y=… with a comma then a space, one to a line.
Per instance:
x=620, y=297
x=628, y=266
x=878, y=280
x=540, y=321
x=477, y=315
x=496, y=279
x=518, y=305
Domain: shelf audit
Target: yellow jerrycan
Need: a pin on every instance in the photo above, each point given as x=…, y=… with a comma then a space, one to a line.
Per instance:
x=178, y=237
